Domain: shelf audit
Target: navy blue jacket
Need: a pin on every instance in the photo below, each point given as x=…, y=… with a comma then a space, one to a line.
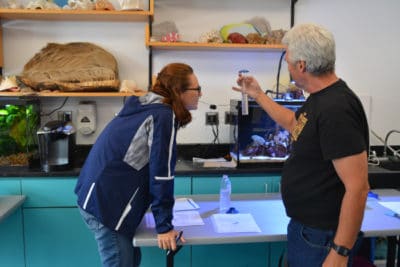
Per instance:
x=131, y=166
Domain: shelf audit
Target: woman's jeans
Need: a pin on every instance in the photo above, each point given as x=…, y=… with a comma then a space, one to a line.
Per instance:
x=308, y=247
x=115, y=250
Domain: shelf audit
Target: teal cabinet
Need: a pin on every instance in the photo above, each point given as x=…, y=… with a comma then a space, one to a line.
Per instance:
x=240, y=184
x=58, y=237
x=183, y=185
x=49, y=231
x=238, y=255
x=10, y=187
x=49, y=192
x=12, y=241
x=55, y=234
x=257, y=254
x=11, y=235
x=277, y=253
x=153, y=256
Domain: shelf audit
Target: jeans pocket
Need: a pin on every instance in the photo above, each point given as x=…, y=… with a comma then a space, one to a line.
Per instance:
x=316, y=238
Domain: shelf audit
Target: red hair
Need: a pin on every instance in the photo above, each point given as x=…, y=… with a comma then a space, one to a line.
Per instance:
x=171, y=82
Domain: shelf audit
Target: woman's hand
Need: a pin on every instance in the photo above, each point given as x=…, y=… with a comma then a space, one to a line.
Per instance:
x=248, y=85
x=168, y=240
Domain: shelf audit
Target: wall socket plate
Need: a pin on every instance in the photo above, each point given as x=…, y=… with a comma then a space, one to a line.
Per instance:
x=62, y=115
x=230, y=118
x=212, y=118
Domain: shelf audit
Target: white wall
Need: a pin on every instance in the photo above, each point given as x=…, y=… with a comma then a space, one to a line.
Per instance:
x=22, y=39
x=217, y=70
x=366, y=34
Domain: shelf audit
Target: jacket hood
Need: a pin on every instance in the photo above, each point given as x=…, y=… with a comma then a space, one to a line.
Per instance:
x=136, y=104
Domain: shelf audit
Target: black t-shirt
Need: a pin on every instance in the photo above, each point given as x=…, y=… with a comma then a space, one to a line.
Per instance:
x=330, y=125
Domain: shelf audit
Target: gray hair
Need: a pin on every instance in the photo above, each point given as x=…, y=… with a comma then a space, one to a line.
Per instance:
x=314, y=45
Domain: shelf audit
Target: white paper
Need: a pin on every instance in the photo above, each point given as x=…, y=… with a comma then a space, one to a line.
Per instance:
x=201, y=160
x=234, y=223
x=218, y=164
x=181, y=218
x=215, y=162
x=392, y=205
x=186, y=218
x=185, y=204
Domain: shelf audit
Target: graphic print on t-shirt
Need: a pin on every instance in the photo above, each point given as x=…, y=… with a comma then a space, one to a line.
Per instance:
x=301, y=122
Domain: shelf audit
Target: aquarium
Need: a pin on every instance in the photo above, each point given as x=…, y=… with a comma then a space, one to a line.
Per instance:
x=256, y=138
x=19, y=121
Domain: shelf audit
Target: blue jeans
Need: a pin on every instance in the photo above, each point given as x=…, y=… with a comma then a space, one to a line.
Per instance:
x=308, y=247
x=115, y=249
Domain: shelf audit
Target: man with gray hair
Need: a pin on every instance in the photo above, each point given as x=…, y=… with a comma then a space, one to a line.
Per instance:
x=325, y=179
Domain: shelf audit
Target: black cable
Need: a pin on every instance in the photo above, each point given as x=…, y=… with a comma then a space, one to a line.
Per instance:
x=292, y=11
x=214, y=106
x=215, y=133
x=54, y=110
x=279, y=72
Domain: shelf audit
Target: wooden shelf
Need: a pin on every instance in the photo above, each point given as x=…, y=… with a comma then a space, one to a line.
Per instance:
x=208, y=46
x=76, y=15
x=71, y=94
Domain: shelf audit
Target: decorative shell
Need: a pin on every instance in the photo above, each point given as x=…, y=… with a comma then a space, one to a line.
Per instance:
x=104, y=5
x=261, y=24
x=211, y=37
x=41, y=4
x=162, y=29
x=9, y=83
x=80, y=4
x=255, y=38
x=275, y=37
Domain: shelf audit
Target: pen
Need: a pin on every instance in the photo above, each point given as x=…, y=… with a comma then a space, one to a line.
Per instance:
x=176, y=240
x=392, y=214
x=191, y=203
x=373, y=195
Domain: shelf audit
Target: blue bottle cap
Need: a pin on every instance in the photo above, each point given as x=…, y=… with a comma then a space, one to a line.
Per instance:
x=243, y=71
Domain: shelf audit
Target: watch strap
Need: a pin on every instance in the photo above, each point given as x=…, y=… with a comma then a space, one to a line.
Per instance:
x=343, y=251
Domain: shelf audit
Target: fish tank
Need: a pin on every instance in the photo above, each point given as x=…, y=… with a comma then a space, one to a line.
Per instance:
x=256, y=138
x=19, y=121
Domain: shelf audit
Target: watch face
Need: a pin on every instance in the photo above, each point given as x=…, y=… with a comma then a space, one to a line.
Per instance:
x=343, y=251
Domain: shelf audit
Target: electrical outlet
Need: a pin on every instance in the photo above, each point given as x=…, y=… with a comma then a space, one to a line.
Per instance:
x=212, y=118
x=63, y=115
x=229, y=118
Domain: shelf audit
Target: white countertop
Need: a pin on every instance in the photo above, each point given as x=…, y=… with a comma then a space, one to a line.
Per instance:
x=269, y=213
x=9, y=203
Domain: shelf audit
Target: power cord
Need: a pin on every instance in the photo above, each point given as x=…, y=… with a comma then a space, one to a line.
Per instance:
x=213, y=106
x=54, y=110
x=279, y=72
x=215, y=133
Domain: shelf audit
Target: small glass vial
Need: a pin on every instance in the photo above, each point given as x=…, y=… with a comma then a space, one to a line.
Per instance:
x=245, y=97
x=225, y=194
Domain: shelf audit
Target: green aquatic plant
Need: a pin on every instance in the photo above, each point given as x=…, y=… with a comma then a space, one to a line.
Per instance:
x=18, y=126
x=8, y=145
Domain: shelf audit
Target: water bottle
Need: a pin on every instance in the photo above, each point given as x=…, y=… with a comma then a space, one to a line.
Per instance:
x=225, y=194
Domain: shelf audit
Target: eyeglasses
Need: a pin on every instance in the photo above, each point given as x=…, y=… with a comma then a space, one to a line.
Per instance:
x=198, y=89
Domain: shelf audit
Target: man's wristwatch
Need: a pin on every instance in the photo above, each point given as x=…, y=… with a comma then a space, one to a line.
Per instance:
x=343, y=251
